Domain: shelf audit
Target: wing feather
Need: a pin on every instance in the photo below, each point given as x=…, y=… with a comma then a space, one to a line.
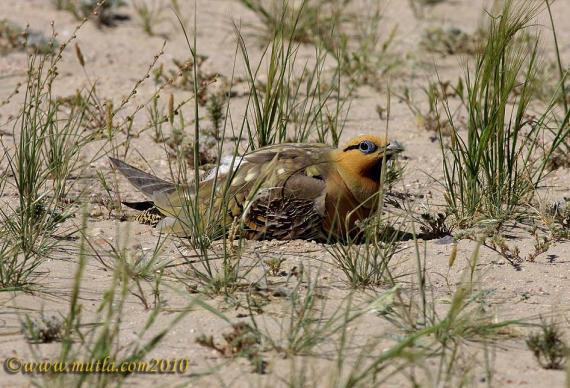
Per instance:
x=278, y=190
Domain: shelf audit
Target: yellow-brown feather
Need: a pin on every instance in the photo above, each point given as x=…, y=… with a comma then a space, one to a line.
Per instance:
x=287, y=191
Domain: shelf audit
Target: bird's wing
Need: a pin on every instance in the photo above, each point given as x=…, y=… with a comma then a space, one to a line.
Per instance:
x=279, y=191
x=281, y=166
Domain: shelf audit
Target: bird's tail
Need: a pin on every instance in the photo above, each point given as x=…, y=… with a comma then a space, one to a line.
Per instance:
x=149, y=184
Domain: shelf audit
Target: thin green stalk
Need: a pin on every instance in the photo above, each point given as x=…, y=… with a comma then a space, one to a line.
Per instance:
x=558, y=60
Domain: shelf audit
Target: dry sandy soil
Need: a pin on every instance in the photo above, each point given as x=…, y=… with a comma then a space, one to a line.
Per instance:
x=116, y=57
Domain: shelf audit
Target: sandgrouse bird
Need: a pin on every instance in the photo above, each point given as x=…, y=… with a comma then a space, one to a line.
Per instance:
x=283, y=191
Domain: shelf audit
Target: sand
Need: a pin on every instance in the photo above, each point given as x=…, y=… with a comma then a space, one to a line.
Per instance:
x=116, y=57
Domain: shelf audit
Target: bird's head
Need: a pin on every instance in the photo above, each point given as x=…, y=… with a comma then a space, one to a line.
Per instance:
x=362, y=156
x=360, y=162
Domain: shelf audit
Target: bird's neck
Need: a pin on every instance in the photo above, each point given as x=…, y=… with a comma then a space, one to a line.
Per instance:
x=345, y=205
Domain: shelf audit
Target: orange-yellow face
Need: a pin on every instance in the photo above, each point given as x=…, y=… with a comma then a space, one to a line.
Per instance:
x=362, y=156
x=359, y=163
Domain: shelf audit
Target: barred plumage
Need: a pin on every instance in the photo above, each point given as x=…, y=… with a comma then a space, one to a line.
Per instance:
x=284, y=191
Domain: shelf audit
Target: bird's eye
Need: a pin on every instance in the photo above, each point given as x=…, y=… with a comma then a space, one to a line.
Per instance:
x=367, y=147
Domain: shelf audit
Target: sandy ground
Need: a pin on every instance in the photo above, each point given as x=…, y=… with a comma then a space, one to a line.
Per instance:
x=117, y=57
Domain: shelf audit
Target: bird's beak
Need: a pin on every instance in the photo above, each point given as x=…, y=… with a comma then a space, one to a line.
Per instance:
x=393, y=148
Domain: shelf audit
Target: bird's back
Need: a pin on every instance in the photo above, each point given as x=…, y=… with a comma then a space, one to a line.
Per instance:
x=278, y=192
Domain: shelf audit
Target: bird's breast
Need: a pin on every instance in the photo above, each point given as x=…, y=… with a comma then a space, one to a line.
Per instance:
x=342, y=208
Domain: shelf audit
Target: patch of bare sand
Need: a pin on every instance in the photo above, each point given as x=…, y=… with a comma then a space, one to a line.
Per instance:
x=117, y=57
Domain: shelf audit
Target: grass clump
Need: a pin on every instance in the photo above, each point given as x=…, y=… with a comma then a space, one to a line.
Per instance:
x=434, y=226
x=14, y=37
x=305, y=23
x=431, y=119
x=101, y=339
x=307, y=103
x=46, y=154
x=451, y=41
x=44, y=329
x=365, y=260
x=494, y=169
x=16, y=271
x=363, y=54
x=548, y=346
x=430, y=334
x=31, y=225
x=183, y=78
x=419, y=6
x=150, y=13
x=560, y=156
x=308, y=323
x=241, y=341
x=557, y=218
x=352, y=38
x=102, y=11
